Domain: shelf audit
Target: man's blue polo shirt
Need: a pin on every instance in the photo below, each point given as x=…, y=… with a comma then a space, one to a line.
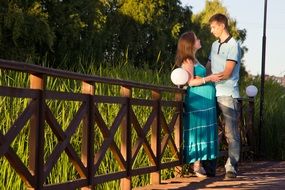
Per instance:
x=220, y=53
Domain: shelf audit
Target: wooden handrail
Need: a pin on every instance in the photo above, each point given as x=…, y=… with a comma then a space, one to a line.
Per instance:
x=39, y=70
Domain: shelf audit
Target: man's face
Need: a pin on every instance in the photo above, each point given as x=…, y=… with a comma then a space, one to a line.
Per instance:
x=217, y=28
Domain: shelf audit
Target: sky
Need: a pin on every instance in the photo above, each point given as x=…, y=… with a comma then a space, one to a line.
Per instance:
x=249, y=15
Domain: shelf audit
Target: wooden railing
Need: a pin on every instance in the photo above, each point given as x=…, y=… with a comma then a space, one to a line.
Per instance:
x=157, y=135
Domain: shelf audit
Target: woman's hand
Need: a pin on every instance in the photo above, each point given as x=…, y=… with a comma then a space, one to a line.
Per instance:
x=215, y=77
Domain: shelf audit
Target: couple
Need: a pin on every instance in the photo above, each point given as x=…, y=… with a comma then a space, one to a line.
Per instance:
x=204, y=92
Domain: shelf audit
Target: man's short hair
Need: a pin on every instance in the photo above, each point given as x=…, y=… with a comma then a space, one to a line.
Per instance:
x=221, y=18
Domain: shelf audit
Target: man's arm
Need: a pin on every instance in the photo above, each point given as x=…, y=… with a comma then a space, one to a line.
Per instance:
x=227, y=73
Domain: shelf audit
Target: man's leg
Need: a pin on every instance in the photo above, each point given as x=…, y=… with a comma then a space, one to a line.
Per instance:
x=230, y=110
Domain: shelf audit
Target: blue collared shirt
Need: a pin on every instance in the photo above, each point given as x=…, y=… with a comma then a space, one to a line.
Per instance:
x=220, y=53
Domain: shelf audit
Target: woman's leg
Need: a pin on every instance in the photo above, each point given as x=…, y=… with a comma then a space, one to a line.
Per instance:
x=198, y=169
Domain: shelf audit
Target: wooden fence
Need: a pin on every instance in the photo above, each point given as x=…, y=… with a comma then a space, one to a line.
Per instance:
x=155, y=137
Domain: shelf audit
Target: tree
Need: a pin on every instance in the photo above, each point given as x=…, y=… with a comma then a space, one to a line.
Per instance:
x=139, y=32
x=24, y=30
x=75, y=24
x=145, y=32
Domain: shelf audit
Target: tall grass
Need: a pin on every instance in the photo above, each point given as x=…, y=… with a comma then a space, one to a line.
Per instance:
x=273, y=126
x=10, y=108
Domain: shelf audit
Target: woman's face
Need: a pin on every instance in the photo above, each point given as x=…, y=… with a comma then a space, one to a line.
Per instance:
x=197, y=44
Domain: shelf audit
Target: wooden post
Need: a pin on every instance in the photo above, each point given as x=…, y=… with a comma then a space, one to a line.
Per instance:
x=241, y=129
x=178, y=132
x=36, y=138
x=155, y=177
x=251, y=139
x=87, y=147
x=126, y=183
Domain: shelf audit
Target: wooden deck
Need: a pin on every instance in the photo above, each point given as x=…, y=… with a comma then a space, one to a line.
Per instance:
x=254, y=175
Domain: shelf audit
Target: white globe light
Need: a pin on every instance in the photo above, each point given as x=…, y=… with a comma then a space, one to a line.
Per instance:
x=179, y=76
x=251, y=91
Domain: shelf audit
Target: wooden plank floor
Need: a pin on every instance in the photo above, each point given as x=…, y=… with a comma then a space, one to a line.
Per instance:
x=254, y=175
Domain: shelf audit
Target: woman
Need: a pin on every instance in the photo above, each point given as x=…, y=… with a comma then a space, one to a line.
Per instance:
x=200, y=119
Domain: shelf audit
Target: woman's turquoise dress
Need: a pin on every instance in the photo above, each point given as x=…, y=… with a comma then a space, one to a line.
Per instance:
x=200, y=131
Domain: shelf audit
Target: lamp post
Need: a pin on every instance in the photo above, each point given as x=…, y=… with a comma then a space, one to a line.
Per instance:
x=261, y=120
x=251, y=92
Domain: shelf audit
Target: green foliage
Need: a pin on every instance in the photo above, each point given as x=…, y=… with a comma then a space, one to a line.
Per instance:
x=24, y=30
x=273, y=131
x=64, y=32
x=76, y=24
x=141, y=11
x=143, y=31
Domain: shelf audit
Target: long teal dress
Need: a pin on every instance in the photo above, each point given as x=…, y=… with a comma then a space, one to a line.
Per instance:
x=200, y=121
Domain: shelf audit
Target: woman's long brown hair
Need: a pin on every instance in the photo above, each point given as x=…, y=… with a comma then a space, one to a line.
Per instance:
x=185, y=48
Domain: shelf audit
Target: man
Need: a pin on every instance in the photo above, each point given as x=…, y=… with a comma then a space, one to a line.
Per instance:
x=224, y=60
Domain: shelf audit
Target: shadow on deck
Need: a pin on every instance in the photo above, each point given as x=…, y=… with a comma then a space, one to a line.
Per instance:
x=252, y=175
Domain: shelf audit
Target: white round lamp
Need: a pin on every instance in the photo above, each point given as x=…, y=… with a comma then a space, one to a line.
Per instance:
x=251, y=91
x=179, y=76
